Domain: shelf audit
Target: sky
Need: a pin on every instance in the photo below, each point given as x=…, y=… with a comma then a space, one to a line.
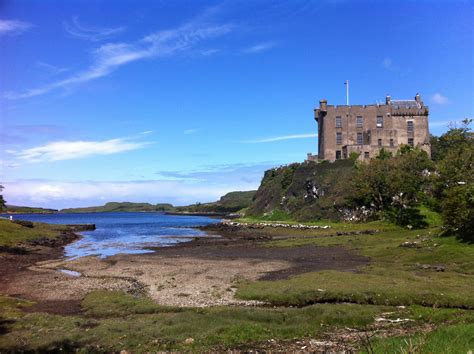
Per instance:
x=183, y=101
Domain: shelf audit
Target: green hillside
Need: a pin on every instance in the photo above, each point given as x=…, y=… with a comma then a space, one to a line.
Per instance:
x=229, y=203
x=303, y=191
x=23, y=209
x=121, y=207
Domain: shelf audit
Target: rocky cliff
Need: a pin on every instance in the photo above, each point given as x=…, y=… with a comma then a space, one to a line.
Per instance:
x=304, y=191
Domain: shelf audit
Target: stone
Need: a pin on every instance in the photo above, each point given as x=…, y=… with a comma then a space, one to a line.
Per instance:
x=189, y=341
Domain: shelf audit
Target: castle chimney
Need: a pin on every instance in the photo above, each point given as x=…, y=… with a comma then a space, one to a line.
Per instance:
x=387, y=99
x=323, y=104
x=417, y=98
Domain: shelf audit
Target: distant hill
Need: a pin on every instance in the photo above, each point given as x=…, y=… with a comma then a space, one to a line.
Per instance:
x=229, y=203
x=304, y=191
x=26, y=210
x=121, y=206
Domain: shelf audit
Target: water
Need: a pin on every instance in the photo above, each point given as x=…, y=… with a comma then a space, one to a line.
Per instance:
x=129, y=233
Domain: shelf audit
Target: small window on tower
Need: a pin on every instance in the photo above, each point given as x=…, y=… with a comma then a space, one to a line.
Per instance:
x=391, y=143
x=338, y=138
x=379, y=122
x=410, y=142
x=360, y=139
x=359, y=121
x=338, y=122
x=410, y=126
x=380, y=142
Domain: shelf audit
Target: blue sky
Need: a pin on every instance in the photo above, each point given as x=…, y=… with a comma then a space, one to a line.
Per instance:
x=174, y=101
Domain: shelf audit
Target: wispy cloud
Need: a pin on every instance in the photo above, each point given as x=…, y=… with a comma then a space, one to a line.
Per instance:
x=94, y=34
x=111, y=56
x=445, y=123
x=13, y=27
x=191, y=131
x=438, y=98
x=236, y=173
x=280, y=138
x=51, y=69
x=260, y=47
x=68, y=150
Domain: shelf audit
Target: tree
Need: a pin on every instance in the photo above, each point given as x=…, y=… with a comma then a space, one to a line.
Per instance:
x=392, y=186
x=2, y=201
x=453, y=139
x=453, y=185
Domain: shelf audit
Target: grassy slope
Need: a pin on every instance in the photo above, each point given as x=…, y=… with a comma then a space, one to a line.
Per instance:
x=229, y=203
x=23, y=209
x=12, y=234
x=287, y=192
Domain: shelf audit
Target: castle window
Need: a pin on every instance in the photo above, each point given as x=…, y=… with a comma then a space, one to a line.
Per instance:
x=338, y=122
x=410, y=126
x=380, y=142
x=359, y=121
x=366, y=155
x=338, y=154
x=338, y=138
x=391, y=143
x=360, y=139
x=379, y=121
x=410, y=142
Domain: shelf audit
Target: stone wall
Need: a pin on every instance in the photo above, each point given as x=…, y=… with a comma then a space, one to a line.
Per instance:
x=390, y=134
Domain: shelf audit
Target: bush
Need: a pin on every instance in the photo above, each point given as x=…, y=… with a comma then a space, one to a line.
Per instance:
x=24, y=223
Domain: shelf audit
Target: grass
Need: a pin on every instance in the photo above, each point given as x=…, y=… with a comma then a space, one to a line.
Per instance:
x=449, y=340
x=380, y=286
x=115, y=321
x=12, y=234
x=137, y=324
x=395, y=276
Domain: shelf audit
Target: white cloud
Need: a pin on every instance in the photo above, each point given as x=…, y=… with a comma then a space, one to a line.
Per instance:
x=68, y=150
x=67, y=194
x=261, y=47
x=438, y=98
x=176, y=187
x=13, y=26
x=387, y=63
x=280, y=138
x=111, y=56
x=94, y=34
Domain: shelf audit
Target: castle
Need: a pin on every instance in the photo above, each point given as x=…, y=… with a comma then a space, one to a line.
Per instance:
x=365, y=129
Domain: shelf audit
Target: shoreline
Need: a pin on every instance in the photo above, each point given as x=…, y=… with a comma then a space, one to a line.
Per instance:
x=186, y=274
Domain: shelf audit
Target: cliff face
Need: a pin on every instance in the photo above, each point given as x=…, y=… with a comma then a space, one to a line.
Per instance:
x=304, y=191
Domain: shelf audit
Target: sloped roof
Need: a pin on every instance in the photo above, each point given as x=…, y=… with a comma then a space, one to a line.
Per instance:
x=405, y=104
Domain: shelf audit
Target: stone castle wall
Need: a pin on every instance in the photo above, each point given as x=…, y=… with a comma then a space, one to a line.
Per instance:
x=389, y=132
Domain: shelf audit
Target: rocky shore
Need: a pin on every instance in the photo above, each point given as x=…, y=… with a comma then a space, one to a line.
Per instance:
x=188, y=274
